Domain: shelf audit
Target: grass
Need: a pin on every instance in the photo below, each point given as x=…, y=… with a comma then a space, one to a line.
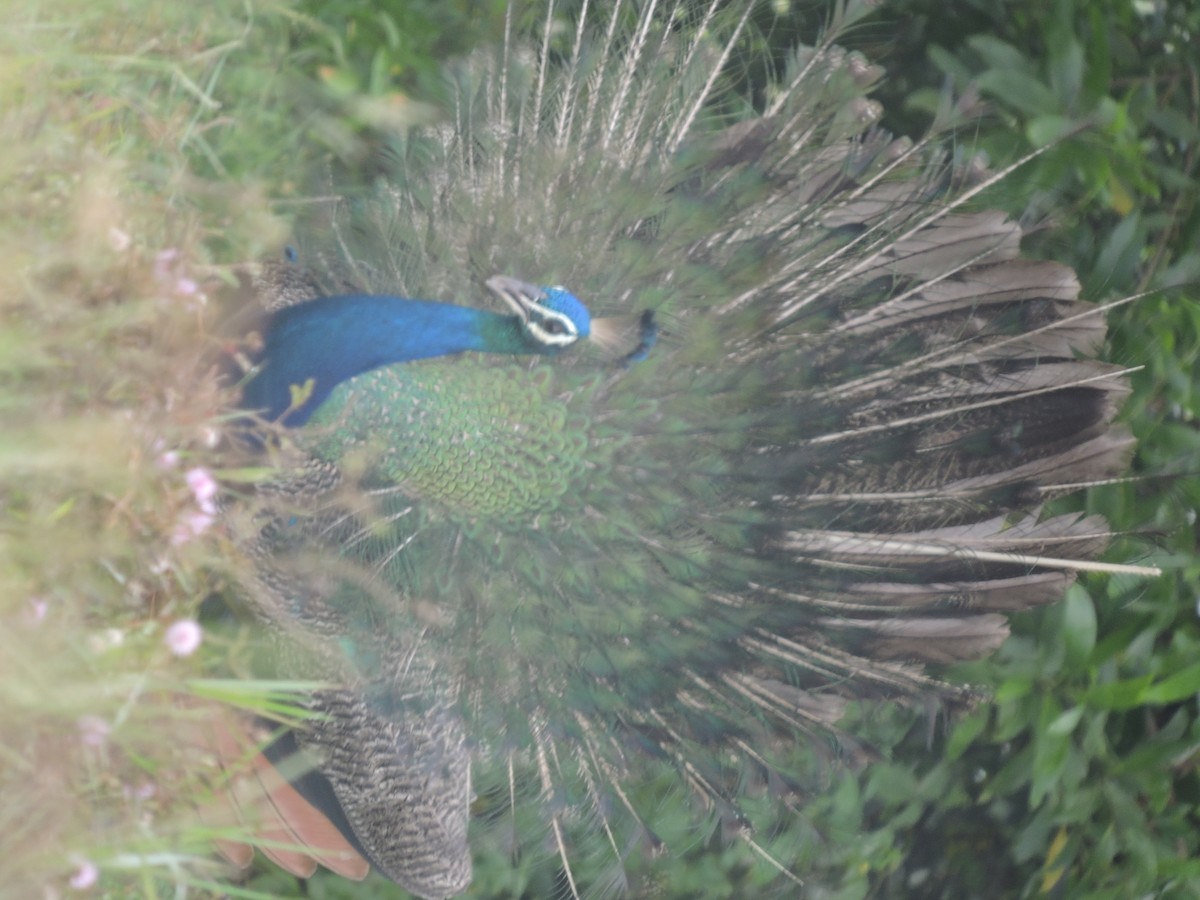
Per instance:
x=121, y=147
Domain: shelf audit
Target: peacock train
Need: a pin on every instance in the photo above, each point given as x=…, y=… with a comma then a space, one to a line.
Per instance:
x=625, y=432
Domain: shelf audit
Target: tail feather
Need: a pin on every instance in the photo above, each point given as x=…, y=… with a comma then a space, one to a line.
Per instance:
x=1011, y=594
x=933, y=641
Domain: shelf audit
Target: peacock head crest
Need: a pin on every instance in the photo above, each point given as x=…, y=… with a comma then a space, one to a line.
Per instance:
x=551, y=317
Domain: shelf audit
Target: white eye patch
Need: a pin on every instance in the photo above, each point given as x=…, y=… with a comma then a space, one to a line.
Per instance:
x=551, y=328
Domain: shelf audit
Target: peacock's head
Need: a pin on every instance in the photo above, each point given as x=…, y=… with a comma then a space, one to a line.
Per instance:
x=551, y=318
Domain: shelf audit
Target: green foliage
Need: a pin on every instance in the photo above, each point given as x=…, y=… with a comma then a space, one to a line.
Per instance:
x=379, y=48
x=1120, y=197
x=363, y=71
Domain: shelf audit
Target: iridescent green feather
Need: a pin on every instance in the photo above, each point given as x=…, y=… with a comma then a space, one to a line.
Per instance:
x=477, y=441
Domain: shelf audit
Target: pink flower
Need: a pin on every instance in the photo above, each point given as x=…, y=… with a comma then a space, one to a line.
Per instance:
x=93, y=730
x=202, y=484
x=36, y=609
x=168, y=459
x=204, y=489
x=166, y=266
x=184, y=636
x=86, y=874
x=191, y=526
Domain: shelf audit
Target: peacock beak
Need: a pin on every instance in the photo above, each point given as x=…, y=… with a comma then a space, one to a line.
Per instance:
x=521, y=296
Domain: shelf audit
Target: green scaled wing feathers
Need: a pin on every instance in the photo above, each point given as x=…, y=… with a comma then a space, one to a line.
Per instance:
x=582, y=573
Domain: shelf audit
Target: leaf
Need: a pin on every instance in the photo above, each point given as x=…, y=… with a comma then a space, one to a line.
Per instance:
x=1079, y=626
x=1175, y=125
x=950, y=65
x=341, y=81
x=1053, y=874
x=1046, y=129
x=1121, y=251
x=1066, y=722
x=301, y=393
x=1024, y=92
x=997, y=53
x=1066, y=69
x=1119, y=694
x=965, y=732
x=1180, y=686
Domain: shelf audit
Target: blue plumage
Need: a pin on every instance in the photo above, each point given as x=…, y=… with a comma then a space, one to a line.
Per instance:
x=561, y=300
x=311, y=348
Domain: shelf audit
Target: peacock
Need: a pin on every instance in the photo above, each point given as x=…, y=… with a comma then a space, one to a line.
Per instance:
x=629, y=427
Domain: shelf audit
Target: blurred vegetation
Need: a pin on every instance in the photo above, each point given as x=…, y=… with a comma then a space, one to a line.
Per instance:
x=1080, y=780
x=151, y=150
x=130, y=192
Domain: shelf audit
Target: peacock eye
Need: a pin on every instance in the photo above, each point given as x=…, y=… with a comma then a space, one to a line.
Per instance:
x=553, y=326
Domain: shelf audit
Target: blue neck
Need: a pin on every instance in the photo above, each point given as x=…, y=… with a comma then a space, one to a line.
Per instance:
x=332, y=339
